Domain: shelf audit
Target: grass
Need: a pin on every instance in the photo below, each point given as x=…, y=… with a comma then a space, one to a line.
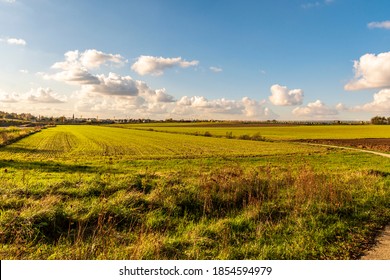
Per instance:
x=12, y=134
x=84, y=143
x=86, y=192
x=271, y=132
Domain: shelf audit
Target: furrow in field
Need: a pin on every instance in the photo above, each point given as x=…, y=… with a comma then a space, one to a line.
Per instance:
x=81, y=143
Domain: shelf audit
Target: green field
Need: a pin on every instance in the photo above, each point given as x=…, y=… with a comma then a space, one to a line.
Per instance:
x=92, y=192
x=292, y=132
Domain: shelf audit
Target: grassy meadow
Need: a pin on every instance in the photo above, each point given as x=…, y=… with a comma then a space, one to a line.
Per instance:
x=134, y=192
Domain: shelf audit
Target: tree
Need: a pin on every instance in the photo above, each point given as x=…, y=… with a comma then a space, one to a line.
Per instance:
x=380, y=120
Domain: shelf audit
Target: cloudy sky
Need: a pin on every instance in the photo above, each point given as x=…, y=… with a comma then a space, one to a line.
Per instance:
x=214, y=59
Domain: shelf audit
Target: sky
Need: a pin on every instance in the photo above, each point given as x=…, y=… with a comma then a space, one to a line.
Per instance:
x=214, y=59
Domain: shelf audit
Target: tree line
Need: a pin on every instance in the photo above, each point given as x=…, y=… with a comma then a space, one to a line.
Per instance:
x=380, y=120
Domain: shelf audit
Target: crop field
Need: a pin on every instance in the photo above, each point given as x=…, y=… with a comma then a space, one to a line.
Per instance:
x=93, y=142
x=134, y=192
x=291, y=132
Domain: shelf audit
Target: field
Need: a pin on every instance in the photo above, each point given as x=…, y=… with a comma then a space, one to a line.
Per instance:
x=291, y=132
x=134, y=192
x=12, y=134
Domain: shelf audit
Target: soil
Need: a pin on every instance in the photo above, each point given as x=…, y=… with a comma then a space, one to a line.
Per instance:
x=381, y=251
x=374, y=144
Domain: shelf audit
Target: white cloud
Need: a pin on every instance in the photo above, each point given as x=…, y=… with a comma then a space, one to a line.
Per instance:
x=14, y=41
x=112, y=84
x=125, y=86
x=150, y=106
x=245, y=107
x=39, y=95
x=380, y=103
x=115, y=95
x=75, y=67
x=371, y=71
x=156, y=65
x=94, y=59
x=9, y=97
x=23, y=71
x=44, y=95
x=8, y=1
x=104, y=104
x=73, y=75
x=162, y=96
x=379, y=24
x=341, y=107
x=253, y=108
x=315, y=109
x=89, y=59
x=282, y=96
x=101, y=93
x=215, y=69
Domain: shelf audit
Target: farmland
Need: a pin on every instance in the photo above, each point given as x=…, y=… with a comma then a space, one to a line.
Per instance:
x=137, y=192
x=291, y=132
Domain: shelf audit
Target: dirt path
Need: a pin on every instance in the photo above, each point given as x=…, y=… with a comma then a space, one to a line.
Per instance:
x=353, y=149
x=381, y=251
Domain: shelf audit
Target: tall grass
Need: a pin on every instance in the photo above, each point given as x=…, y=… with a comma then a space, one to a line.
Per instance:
x=12, y=134
x=268, y=212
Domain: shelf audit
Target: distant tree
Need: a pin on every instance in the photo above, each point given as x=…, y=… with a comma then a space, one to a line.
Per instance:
x=380, y=120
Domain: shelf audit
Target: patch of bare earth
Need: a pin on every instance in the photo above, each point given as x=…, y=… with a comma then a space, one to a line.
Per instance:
x=374, y=144
x=381, y=251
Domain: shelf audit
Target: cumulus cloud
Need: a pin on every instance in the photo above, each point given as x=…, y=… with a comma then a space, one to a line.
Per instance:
x=371, y=71
x=156, y=65
x=341, y=107
x=201, y=105
x=73, y=75
x=89, y=59
x=132, y=106
x=112, y=84
x=39, y=95
x=282, y=96
x=94, y=59
x=161, y=95
x=9, y=97
x=14, y=41
x=101, y=92
x=158, y=103
x=44, y=95
x=116, y=95
x=216, y=69
x=379, y=24
x=314, y=109
x=380, y=103
x=108, y=104
x=125, y=86
x=75, y=68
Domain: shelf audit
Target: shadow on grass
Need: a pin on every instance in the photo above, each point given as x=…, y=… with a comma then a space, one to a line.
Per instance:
x=20, y=150
x=48, y=166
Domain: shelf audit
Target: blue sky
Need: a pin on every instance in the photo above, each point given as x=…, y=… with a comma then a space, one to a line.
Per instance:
x=247, y=60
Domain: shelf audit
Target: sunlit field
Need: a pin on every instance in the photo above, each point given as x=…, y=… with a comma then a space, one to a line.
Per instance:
x=92, y=192
x=271, y=132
